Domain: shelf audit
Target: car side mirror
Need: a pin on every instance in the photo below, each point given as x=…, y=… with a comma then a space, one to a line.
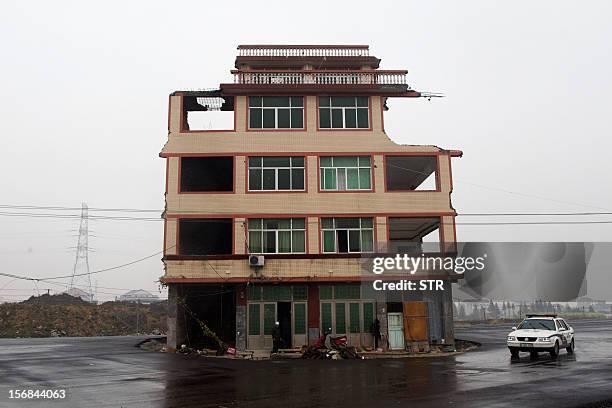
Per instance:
x=513, y=328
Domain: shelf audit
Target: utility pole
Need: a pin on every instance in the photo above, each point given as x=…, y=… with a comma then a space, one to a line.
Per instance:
x=81, y=262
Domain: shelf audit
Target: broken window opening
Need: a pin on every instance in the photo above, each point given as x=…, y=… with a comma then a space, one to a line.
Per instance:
x=207, y=174
x=414, y=235
x=411, y=173
x=208, y=112
x=205, y=236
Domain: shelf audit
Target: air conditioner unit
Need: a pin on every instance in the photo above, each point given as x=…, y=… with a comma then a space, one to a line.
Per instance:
x=256, y=260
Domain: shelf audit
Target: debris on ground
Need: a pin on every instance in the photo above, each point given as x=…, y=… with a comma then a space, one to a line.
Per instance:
x=329, y=347
x=64, y=315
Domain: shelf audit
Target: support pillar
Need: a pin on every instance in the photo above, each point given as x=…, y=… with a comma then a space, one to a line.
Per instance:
x=241, y=318
x=176, y=318
x=447, y=314
x=381, y=315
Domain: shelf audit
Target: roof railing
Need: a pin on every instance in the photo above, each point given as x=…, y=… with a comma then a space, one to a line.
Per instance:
x=320, y=77
x=304, y=51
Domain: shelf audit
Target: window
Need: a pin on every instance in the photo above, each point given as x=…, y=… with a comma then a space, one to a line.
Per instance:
x=207, y=174
x=354, y=318
x=207, y=112
x=205, y=236
x=272, y=173
x=342, y=112
x=368, y=316
x=272, y=236
x=269, y=318
x=340, y=318
x=276, y=112
x=411, y=173
x=254, y=319
x=341, y=235
x=300, y=318
x=277, y=293
x=343, y=173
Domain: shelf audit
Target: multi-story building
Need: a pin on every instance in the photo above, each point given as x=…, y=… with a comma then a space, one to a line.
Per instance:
x=291, y=161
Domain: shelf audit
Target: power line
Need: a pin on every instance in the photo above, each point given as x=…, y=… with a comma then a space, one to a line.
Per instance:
x=504, y=190
x=89, y=273
x=536, y=223
x=530, y=214
x=76, y=216
x=59, y=208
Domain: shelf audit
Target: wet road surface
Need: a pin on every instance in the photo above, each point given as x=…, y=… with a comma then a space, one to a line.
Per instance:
x=111, y=372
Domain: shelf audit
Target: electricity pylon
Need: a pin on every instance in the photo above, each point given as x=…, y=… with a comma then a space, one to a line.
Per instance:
x=80, y=273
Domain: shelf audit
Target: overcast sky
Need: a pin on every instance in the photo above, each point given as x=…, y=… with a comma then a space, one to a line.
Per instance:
x=85, y=90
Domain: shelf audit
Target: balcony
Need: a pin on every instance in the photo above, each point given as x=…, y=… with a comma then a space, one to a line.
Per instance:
x=303, y=51
x=280, y=77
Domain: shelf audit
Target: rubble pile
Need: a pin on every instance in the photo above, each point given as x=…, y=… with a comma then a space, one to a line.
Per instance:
x=64, y=315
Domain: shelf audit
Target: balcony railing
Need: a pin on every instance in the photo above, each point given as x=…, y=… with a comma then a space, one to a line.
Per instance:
x=320, y=77
x=303, y=51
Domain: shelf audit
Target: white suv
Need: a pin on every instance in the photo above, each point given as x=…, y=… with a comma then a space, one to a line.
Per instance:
x=541, y=333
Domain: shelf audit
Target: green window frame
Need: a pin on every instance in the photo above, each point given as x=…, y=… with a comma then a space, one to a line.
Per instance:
x=326, y=292
x=299, y=319
x=277, y=235
x=276, y=112
x=340, y=318
x=254, y=319
x=342, y=173
x=269, y=318
x=347, y=291
x=300, y=292
x=354, y=320
x=344, y=112
x=368, y=315
x=326, y=316
x=347, y=235
x=276, y=173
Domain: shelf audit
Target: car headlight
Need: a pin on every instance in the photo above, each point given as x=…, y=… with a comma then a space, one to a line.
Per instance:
x=511, y=338
x=546, y=339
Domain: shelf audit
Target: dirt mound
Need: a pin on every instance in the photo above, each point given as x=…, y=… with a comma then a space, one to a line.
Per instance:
x=61, y=299
x=64, y=315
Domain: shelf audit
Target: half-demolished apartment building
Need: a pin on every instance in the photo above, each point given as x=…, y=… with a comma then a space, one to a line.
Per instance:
x=280, y=183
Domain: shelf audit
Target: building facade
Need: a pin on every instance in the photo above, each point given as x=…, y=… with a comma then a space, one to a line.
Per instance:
x=291, y=161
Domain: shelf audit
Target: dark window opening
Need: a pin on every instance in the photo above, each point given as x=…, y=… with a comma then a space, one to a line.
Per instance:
x=414, y=235
x=208, y=112
x=201, y=174
x=205, y=236
x=411, y=172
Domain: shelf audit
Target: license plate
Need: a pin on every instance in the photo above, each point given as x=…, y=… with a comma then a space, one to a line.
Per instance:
x=526, y=345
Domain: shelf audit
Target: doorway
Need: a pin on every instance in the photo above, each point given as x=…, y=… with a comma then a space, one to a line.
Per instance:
x=395, y=323
x=284, y=322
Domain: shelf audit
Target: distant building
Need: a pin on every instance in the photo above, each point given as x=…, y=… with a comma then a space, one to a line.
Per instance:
x=138, y=295
x=78, y=293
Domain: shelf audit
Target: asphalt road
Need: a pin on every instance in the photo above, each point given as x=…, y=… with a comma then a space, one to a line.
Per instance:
x=111, y=372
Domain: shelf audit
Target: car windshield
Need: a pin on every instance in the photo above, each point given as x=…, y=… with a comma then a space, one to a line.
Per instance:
x=542, y=324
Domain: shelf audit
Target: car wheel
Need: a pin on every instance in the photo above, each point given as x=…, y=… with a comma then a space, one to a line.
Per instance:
x=570, y=349
x=514, y=352
x=555, y=350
